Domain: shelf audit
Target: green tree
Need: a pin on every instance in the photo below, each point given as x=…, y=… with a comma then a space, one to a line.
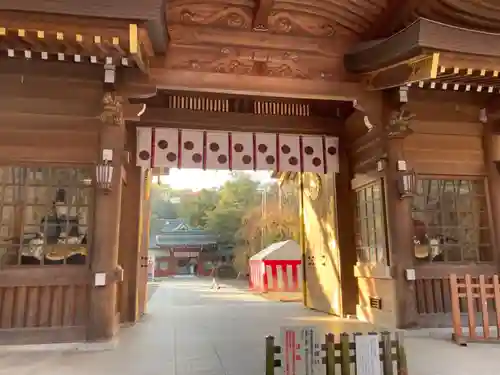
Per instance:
x=236, y=198
x=194, y=206
x=161, y=206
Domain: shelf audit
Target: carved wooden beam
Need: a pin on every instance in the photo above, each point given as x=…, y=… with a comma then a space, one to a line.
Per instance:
x=262, y=13
x=417, y=69
x=248, y=85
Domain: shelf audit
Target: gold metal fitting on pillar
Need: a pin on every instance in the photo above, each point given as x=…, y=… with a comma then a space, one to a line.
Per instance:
x=407, y=180
x=104, y=172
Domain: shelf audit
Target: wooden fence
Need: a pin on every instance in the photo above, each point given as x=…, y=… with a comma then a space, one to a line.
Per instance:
x=479, y=299
x=339, y=357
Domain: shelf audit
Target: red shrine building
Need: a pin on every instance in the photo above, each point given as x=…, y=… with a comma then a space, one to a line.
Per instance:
x=178, y=249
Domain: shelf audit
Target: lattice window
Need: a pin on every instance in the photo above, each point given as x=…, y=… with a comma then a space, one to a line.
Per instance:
x=451, y=223
x=44, y=215
x=371, y=239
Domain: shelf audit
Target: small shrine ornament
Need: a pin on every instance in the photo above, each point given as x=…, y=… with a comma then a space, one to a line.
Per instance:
x=399, y=124
x=112, y=113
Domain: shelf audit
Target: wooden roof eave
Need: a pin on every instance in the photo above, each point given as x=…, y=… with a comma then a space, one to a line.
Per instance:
x=412, y=55
x=117, y=43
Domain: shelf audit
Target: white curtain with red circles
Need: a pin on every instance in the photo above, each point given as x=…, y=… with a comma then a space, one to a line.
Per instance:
x=236, y=150
x=166, y=152
x=143, y=153
x=217, y=150
x=312, y=154
x=266, y=152
x=332, y=154
x=289, y=153
x=192, y=149
x=242, y=151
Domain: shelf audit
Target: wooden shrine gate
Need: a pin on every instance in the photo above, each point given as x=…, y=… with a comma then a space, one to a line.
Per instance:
x=179, y=148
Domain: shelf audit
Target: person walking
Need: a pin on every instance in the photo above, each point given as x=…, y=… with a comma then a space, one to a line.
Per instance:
x=215, y=276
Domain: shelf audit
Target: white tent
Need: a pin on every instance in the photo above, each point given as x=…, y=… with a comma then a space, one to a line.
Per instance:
x=284, y=250
x=277, y=268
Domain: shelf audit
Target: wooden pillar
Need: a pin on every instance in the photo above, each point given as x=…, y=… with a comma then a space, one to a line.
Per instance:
x=103, y=321
x=129, y=231
x=491, y=144
x=345, y=219
x=400, y=233
x=143, y=238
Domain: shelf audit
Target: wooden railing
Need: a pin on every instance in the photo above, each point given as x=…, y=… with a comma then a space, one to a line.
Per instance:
x=52, y=302
x=433, y=302
x=433, y=299
x=479, y=298
x=339, y=357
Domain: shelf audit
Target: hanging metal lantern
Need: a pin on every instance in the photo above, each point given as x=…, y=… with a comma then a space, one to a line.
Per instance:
x=104, y=176
x=407, y=183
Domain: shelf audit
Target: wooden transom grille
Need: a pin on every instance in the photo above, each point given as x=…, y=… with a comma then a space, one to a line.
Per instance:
x=198, y=103
x=279, y=108
x=221, y=150
x=258, y=107
x=463, y=79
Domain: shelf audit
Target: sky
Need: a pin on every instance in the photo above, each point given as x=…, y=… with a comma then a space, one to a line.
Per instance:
x=196, y=179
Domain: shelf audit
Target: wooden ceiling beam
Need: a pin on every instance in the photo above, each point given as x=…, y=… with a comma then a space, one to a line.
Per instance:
x=183, y=80
x=187, y=119
x=395, y=15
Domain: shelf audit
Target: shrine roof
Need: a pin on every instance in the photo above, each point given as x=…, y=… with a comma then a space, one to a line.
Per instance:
x=421, y=37
x=481, y=15
x=148, y=13
x=143, y=10
x=176, y=232
x=429, y=52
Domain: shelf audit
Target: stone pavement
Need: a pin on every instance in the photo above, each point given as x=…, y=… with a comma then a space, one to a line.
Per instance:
x=191, y=330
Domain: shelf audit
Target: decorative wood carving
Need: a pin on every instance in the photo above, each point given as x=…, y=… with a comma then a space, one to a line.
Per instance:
x=112, y=113
x=214, y=14
x=301, y=24
x=255, y=62
x=262, y=13
x=208, y=36
x=301, y=43
x=262, y=18
x=399, y=123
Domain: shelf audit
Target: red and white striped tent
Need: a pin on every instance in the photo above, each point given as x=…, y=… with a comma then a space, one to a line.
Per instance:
x=277, y=268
